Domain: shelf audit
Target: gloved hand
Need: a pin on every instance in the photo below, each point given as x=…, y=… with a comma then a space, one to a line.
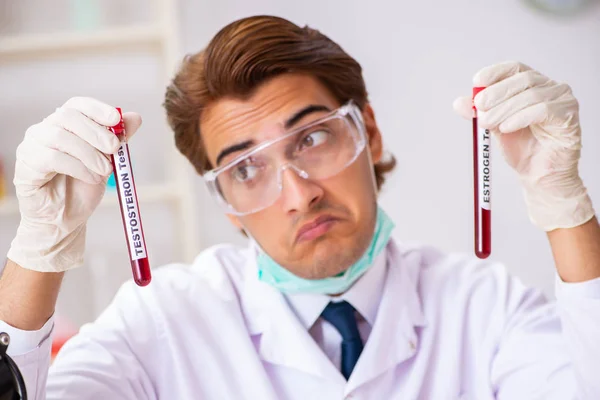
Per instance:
x=60, y=177
x=536, y=123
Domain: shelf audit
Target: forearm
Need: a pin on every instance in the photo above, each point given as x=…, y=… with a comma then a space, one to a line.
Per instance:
x=577, y=254
x=577, y=251
x=27, y=298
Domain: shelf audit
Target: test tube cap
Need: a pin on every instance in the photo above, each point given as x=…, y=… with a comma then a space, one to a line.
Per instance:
x=477, y=89
x=119, y=129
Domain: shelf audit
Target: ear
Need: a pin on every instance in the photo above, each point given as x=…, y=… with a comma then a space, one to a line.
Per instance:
x=235, y=221
x=373, y=134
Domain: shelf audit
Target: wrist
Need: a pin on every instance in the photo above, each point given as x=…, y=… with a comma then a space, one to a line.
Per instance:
x=560, y=206
x=576, y=251
x=47, y=248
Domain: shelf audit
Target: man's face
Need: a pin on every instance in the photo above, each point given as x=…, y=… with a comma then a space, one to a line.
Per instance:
x=289, y=230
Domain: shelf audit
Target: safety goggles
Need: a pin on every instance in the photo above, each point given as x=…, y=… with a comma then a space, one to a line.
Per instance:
x=317, y=150
x=12, y=385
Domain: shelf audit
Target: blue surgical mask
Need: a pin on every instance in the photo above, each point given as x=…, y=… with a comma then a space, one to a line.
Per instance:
x=275, y=275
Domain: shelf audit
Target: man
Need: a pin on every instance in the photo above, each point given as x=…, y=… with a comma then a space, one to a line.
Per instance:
x=322, y=304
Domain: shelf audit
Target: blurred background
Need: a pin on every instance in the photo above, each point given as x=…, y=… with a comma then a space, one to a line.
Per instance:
x=417, y=57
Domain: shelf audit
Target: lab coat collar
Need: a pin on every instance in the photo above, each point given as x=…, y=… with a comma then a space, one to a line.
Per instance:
x=392, y=340
x=269, y=316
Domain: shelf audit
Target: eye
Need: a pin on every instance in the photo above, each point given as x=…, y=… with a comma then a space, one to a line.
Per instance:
x=313, y=139
x=244, y=172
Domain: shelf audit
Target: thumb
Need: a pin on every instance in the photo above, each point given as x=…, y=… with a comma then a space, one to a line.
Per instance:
x=132, y=121
x=463, y=106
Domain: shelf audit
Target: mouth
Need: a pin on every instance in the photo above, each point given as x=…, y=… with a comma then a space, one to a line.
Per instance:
x=315, y=228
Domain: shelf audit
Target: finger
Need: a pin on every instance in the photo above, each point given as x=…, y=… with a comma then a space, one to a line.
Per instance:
x=38, y=164
x=540, y=113
x=507, y=88
x=94, y=109
x=534, y=114
x=80, y=125
x=463, y=106
x=495, y=73
x=132, y=121
x=64, y=141
x=492, y=118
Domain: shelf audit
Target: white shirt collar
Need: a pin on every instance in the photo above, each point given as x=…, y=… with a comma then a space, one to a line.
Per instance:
x=364, y=296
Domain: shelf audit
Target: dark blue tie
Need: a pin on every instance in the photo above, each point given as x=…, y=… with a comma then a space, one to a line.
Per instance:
x=341, y=316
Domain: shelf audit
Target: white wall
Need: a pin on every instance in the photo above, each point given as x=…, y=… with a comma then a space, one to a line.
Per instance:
x=417, y=57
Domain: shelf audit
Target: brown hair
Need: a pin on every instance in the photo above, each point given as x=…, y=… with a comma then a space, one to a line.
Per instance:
x=242, y=56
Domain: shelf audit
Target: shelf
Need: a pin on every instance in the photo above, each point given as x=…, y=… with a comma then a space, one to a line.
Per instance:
x=52, y=44
x=156, y=193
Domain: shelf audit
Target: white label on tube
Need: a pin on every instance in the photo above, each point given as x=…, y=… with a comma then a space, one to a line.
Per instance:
x=483, y=156
x=129, y=204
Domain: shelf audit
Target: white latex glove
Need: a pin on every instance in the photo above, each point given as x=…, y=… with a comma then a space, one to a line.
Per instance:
x=536, y=123
x=60, y=177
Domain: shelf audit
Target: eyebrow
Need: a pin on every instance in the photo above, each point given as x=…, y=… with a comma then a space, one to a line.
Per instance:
x=233, y=149
x=313, y=108
x=291, y=121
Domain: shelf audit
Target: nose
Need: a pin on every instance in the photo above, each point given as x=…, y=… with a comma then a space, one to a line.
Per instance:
x=298, y=193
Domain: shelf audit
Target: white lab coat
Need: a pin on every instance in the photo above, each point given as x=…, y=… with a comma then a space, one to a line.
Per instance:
x=448, y=327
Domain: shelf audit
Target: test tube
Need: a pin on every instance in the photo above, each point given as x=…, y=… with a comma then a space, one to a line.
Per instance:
x=130, y=210
x=482, y=186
